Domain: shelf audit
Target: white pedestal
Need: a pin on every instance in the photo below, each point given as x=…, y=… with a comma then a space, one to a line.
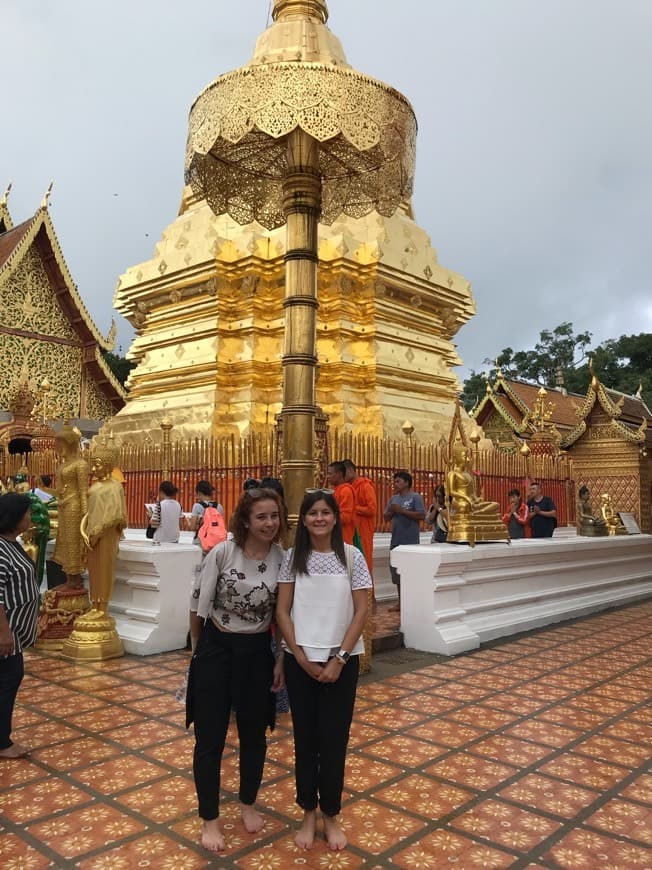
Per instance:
x=151, y=596
x=453, y=597
x=384, y=588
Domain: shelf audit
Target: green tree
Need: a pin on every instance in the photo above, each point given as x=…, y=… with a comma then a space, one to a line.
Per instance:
x=621, y=364
x=119, y=365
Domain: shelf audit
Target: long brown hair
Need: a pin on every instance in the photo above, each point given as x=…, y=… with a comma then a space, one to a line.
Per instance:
x=241, y=516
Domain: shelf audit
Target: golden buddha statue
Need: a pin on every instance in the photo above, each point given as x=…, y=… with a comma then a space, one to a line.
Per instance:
x=610, y=516
x=94, y=636
x=72, y=504
x=588, y=525
x=471, y=519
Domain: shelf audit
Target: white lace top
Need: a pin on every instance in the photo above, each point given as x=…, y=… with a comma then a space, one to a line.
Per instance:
x=328, y=563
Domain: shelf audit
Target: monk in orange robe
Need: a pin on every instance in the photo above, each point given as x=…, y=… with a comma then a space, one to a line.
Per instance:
x=365, y=510
x=345, y=499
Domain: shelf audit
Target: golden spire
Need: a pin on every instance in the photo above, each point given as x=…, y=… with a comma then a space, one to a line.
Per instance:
x=46, y=198
x=5, y=195
x=284, y=9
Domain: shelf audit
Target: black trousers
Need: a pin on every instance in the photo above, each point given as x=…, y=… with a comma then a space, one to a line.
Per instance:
x=11, y=676
x=321, y=716
x=229, y=670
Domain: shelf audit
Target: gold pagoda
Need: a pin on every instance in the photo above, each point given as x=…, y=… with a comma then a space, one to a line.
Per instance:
x=208, y=311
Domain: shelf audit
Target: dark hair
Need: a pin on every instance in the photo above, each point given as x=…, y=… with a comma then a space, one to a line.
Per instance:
x=404, y=475
x=250, y=483
x=440, y=492
x=583, y=490
x=205, y=487
x=339, y=467
x=275, y=484
x=13, y=507
x=534, y=483
x=241, y=516
x=168, y=488
x=515, y=492
x=46, y=480
x=349, y=464
x=302, y=543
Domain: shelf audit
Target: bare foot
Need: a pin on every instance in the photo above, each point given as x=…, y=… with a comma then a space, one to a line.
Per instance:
x=16, y=750
x=334, y=834
x=306, y=834
x=212, y=837
x=252, y=820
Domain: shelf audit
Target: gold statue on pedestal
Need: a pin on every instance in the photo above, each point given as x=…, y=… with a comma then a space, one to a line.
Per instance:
x=94, y=637
x=63, y=604
x=610, y=516
x=588, y=525
x=471, y=519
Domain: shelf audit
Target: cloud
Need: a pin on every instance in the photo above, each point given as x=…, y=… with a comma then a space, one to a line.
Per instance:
x=534, y=172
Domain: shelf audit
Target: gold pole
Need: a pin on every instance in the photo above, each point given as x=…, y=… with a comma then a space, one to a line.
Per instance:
x=166, y=449
x=302, y=207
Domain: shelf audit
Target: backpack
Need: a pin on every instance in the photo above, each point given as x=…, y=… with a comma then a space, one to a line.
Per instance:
x=213, y=528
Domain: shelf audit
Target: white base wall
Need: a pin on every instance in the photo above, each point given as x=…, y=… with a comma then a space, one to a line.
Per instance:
x=151, y=596
x=454, y=597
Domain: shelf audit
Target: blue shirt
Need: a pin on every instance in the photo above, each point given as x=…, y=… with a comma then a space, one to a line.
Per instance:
x=404, y=529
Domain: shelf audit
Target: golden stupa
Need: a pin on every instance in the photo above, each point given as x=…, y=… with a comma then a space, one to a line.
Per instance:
x=208, y=307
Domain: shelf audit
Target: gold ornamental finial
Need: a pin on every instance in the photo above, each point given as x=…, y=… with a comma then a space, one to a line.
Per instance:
x=46, y=197
x=5, y=195
x=300, y=9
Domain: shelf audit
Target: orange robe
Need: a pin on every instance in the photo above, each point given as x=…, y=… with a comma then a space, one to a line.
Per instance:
x=365, y=516
x=346, y=503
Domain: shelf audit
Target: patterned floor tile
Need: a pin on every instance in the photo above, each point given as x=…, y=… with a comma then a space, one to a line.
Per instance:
x=443, y=848
x=543, y=732
x=629, y=729
x=163, y=801
x=470, y=771
x=42, y=798
x=394, y=719
x=505, y=825
x=585, y=771
x=363, y=773
x=176, y=753
x=404, y=750
x=16, y=854
x=502, y=748
x=283, y=854
x=431, y=704
x=609, y=749
x=424, y=796
x=108, y=717
x=18, y=772
x=624, y=819
x=450, y=734
x=640, y=789
x=482, y=716
x=543, y=793
x=82, y=831
x=586, y=849
x=142, y=734
x=119, y=774
x=76, y=753
x=516, y=703
x=460, y=692
x=46, y=734
x=375, y=828
x=573, y=717
x=280, y=797
x=155, y=850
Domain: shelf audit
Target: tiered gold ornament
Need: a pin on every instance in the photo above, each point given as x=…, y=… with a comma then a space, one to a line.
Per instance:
x=471, y=519
x=294, y=137
x=94, y=636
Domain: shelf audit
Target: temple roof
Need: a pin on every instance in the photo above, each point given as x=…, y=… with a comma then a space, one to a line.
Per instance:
x=38, y=232
x=513, y=400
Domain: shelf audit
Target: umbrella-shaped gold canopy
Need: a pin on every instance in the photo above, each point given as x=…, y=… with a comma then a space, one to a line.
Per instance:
x=298, y=78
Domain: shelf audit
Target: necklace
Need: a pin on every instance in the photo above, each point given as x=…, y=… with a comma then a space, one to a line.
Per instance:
x=262, y=565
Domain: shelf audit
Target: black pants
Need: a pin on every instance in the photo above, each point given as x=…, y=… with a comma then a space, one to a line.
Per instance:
x=11, y=676
x=230, y=670
x=321, y=716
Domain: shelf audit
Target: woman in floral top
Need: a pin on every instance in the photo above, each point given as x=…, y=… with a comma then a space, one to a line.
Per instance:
x=231, y=614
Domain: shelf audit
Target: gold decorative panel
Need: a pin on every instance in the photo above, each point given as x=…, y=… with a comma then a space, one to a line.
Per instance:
x=28, y=303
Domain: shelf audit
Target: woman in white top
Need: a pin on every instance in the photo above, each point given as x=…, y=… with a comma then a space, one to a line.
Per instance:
x=168, y=515
x=321, y=612
x=232, y=607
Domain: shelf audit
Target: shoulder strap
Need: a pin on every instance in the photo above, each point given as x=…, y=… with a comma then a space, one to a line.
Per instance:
x=348, y=552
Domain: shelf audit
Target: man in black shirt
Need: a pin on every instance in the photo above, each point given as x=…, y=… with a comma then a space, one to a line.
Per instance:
x=543, y=513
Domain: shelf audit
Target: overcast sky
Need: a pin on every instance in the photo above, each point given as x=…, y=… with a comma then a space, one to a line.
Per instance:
x=534, y=174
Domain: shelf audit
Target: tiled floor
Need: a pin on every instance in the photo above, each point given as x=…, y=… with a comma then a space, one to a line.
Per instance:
x=532, y=753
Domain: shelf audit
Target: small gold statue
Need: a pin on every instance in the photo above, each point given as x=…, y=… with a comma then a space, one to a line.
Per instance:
x=94, y=637
x=72, y=504
x=610, y=515
x=471, y=519
x=588, y=525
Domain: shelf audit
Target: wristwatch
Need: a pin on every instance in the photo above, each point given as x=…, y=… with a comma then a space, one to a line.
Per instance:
x=343, y=656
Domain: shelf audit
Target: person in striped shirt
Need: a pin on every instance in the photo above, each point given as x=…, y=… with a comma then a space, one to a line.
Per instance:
x=19, y=598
